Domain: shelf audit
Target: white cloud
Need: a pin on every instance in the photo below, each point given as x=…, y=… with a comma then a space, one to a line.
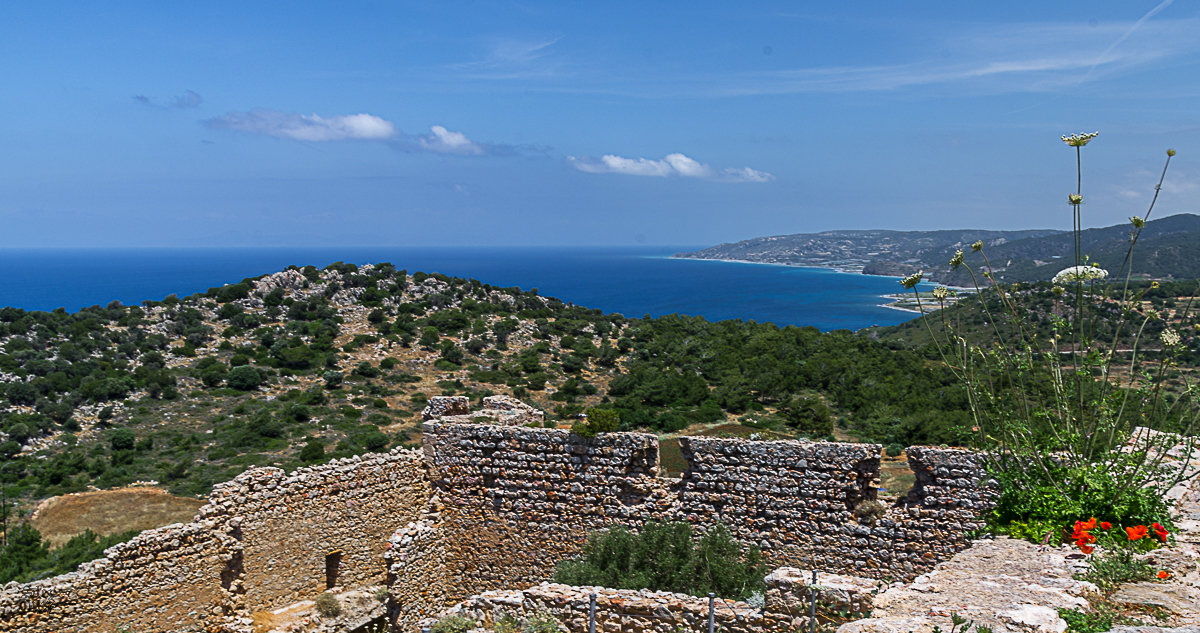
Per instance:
x=444, y=141
x=306, y=127
x=672, y=165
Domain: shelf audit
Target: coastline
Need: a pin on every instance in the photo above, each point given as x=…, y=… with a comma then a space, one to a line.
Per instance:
x=844, y=269
x=896, y=307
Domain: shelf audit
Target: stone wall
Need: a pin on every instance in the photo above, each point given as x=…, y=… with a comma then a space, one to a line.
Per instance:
x=260, y=542
x=518, y=500
x=417, y=579
x=175, y=578
x=785, y=606
x=488, y=507
x=515, y=500
x=293, y=526
x=498, y=409
x=617, y=610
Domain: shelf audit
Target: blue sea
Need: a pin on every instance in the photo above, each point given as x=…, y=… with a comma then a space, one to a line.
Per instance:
x=633, y=281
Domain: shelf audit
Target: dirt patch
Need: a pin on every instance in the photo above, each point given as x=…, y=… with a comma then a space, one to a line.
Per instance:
x=110, y=512
x=896, y=478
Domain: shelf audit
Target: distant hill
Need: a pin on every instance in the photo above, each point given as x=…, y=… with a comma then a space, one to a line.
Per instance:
x=1168, y=248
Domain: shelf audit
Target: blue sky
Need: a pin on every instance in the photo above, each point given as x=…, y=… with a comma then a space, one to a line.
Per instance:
x=561, y=123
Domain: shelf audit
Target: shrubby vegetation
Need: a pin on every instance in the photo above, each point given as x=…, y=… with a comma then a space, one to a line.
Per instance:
x=1063, y=374
x=25, y=557
x=666, y=557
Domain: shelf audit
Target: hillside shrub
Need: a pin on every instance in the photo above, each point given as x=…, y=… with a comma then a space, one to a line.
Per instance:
x=245, y=378
x=597, y=421
x=665, y=556
x=328, y=605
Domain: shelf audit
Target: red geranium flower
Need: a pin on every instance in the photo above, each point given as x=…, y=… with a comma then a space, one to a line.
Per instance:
x=1105, y=525
x=1090, y=525
x=1161, y=532
x=1164, y=574
x=1136, y=532
x=1086, y=549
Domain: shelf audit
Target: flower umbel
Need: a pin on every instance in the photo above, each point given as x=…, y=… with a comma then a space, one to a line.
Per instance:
x=912, y=280
x=1080, y=273
x=1138, y=222
x=1079, y=140
x=941, y=292
x=1170, y=338
x=1074, y=199
x=957, y=260
x=977, y=246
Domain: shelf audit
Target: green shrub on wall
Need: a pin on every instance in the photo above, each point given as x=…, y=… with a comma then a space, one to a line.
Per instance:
x=665, y=557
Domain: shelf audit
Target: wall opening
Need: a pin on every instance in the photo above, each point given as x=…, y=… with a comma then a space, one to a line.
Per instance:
x=333, y=563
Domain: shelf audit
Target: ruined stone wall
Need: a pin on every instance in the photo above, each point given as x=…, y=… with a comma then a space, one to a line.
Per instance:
x=290, y=523
x=515, y=501
x=417, y=579
x=798, y=501
x=794, y=499
x=617, y=610
x=518, y=500
x=175, y=578
x=260, y=542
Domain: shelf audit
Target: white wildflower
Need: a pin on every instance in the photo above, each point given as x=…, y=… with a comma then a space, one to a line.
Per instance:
x=957, y=260
x=1170, y=338
x=941, y=292
x=912, y=280
x=1080, y=273
x=1079, y=140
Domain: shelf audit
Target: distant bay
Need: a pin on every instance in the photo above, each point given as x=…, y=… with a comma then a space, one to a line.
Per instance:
x=633, y=281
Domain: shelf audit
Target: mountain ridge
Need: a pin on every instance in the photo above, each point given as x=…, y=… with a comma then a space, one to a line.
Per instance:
x=1173, y=245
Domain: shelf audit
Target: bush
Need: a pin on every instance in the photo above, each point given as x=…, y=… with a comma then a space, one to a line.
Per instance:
x=328, y=605
x=453, y=624
x=894, y=450
x=664, y=557
x=598, y=421
x=541, y=622
x=245, y=378
x=313, y=451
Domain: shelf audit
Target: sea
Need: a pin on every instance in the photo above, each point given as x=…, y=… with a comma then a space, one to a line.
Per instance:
x=633, y=281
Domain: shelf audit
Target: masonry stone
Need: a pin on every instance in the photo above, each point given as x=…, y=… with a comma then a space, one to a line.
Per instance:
x=493, y=507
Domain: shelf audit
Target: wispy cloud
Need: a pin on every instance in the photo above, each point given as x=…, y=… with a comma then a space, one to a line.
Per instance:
x=306, y=127
x=512, y=59
x=971, y=57
x=998, y=59
x=672, y=165
x=189, y=99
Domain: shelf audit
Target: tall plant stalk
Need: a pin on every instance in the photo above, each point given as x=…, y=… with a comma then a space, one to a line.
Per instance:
x=1042, y=407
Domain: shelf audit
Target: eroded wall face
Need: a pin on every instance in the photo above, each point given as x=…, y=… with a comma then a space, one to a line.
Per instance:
x=174, y=578
x=260, y=542
x=517, y=501
x=302, y=530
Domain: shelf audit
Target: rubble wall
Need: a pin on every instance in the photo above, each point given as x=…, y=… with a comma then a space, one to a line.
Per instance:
x=616, y=610
x=515, y=501
x=518, y=500
x=290, y=523
x=176, y=578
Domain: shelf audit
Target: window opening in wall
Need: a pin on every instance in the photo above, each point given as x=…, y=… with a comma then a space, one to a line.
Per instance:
x=333, y=562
